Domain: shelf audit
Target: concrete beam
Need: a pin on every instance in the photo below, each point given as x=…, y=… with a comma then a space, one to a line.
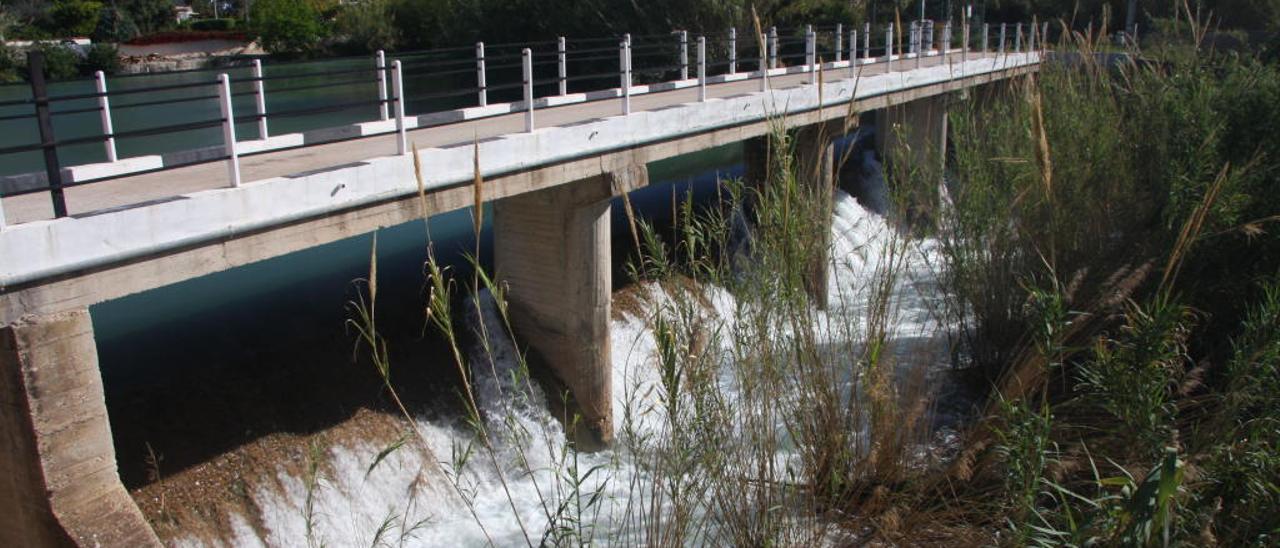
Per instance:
x=84, y=286
x=61, y=486
x=552, y=250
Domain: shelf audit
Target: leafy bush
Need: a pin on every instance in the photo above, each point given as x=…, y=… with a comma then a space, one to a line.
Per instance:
x=115, y=26
x=103, y=57
x=287, y=26
x=368, y=26
x=10, y=66
x=149, y=15
x=60, y=63
x=74, y=17
x=224, y=23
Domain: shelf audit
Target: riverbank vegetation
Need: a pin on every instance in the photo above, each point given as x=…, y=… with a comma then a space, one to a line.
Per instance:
x=1107, y=268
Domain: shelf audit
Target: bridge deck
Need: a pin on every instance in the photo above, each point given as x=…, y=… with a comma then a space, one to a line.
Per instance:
x=157, y=186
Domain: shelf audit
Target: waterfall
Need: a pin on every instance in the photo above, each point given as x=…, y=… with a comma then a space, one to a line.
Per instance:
x=452, y=488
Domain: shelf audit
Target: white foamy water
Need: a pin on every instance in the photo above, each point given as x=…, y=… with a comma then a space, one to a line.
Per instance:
x=522, y=485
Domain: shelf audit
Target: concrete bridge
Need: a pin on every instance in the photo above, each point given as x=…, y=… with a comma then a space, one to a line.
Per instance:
x=550, y=164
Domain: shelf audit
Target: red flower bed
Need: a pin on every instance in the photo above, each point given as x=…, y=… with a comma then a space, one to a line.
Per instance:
x=171, y=37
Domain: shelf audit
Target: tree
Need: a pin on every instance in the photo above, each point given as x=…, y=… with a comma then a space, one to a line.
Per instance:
x=149, y=15
x=368, y=26
x=74, y=17
x=115, y=26
x=287, y=26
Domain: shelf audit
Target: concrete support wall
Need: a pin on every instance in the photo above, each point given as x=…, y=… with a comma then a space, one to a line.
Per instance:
x=552, y=249
x=60, y=485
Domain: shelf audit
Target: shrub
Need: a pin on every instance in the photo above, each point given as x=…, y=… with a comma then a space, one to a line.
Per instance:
x=10, y=65
x=60, y=63
x=368, y=26
x=115, y=26
x=224, y=23
x=286, y=26
x=74, y=17
x=103, y=57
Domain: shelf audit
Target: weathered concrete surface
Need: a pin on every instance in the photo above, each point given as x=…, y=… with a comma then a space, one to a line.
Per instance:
x=914, y=131
x=551, y=249
x=913, y=141
x=815, y=170
x=60, y=485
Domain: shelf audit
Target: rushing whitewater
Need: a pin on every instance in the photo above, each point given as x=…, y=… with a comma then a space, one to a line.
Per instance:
x=521, y=485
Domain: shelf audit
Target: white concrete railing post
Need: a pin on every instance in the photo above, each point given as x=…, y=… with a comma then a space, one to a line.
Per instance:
x=562, y=65
x=104, y=110
x=946, y=38
x=986, y=35
x=397, y=83
x=920, y=51
x=773, y=48
x=911, y=37
x=839, y=42
x=260, y=99
x=702, y=69
x=481, y=77
x=1002, y=34
x=764, y=62
x=964, y=43
x=866, y=40
x=888, y=48
x=526, y=65
x=1031, y=40
x=853, y=52
x=384, y=109
x=229, y=129
x=684, y=55
x=1017, y=38
x=733, y=50
x=1044, y=34
x=811, y=54
x=624, y=73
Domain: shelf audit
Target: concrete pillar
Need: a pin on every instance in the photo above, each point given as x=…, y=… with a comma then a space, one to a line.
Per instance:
x=60, y=484
x=552, y=250
x=915, y=131
x=814, y=165
x=912, y=139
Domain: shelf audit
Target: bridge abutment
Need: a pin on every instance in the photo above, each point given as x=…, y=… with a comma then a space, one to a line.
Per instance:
x=61, y=483
x=552, y=250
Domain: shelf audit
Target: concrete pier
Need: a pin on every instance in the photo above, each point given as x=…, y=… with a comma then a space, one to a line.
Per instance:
x=912, y=139
x=60, y=481
x=815, y=154
x=814, y=147
x=914, y=132
x=552, y=250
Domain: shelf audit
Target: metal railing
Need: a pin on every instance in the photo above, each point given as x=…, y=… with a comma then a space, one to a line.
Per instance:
x=554, y=68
